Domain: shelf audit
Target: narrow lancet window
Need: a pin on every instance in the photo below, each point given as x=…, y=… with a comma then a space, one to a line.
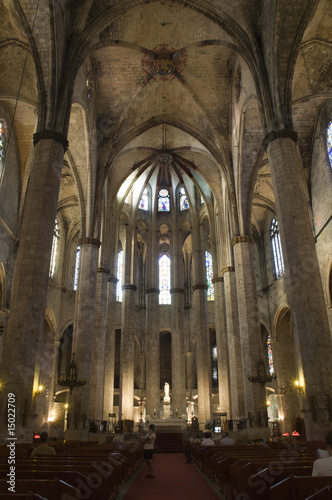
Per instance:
x=276, y=249
x=56, y=235
x=77, y=265
x=163, y=201
x=119, y=276
x=214, y=365
x=329, y=142
x=184, y=204
x=269, y=355
x=144, y=202
x=209, y=276
x=164, y=280
x=2, y=146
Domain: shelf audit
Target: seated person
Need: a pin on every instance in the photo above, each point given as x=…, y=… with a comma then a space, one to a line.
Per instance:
x=207, y=441
x=43, y=448
x=323, y=466
x=226, y=441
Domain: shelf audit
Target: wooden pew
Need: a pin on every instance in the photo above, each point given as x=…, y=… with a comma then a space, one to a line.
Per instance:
x=50, y=489
x=298, y=488
x=323, y=494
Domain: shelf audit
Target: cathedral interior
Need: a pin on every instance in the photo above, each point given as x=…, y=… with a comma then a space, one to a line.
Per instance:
x=165, y=214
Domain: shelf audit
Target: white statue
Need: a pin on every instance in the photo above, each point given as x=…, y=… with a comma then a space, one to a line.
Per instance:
x=166, y=390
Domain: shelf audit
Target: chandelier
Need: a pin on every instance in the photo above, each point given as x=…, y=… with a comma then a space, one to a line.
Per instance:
x=71, y=381
x=262, y=377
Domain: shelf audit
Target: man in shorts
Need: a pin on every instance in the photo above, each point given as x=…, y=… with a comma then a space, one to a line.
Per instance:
x=149, y=440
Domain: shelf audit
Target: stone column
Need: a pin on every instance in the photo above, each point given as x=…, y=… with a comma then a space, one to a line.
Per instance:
x=110, y=348
x=302, y=280
x=126, y=406
x=99, y=344
x=178, y=357
x=83, y=332
x=234, y=344
x=254, y=393
x=190, y=372
x=222, y=345
x=21, y=351
x=152, y=351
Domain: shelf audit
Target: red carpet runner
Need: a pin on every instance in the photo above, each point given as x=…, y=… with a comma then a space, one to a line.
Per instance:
x=175, y=480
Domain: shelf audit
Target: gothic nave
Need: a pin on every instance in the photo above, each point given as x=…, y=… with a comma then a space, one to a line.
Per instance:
x=165, y=214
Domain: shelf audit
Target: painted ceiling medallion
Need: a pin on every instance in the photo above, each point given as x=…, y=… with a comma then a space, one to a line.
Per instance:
x=164, y=65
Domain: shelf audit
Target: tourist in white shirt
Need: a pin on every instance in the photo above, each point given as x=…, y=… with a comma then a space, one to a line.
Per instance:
x=207, y=441
x=323, y=466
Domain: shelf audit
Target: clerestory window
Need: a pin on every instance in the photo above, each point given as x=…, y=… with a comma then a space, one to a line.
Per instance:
x=56, y=236
x=164, y=280
x=119, y=275
x=77, y=265
x=163, y=201
x=209, y=276
x=276, y=249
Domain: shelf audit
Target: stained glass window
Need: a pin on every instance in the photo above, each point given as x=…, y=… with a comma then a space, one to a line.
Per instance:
x=209, y=276
x=214, y=365
x=276, y=249
x=269, y=354
x=202, y=200
x=144, y=202
x=56, y=235
x=2, y=145
x=183, y=200
x=119, y=276
x=164, y=280
x=163, y=200
x=77, y=265
x=329, y=142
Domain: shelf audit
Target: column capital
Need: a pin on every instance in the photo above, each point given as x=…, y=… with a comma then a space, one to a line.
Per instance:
x=228, y=269
x=218, y=279
x=112, y=279
x=176, y=290
x=241, y=239
x=152, y=290
x=51, y=134
x=89, y=241
x=129, y=287
x=199, y=287
x=279, y=134
x=103, y=270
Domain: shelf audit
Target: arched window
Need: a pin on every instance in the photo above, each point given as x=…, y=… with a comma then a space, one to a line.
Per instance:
x=56, y=236
x=144, y=202
x=184, y=205
x=209, y=276
x=164, y=280
x=276, y=249
x=77, y=265
x=2, y=146
x=119, y=275
x=269, y=355
x=214, y=365
x=163, y=201
x=329, y=142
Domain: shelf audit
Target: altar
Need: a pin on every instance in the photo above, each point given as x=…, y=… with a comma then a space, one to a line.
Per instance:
x=169, y=424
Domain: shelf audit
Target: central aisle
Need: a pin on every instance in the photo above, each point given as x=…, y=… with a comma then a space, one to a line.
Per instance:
x=175, y=480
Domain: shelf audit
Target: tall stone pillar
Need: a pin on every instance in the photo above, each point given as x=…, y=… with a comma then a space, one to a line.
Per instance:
x=126, y=406
x=302, y=281
x=222, y=346
x=99, y=344
x=254, y=393
x=22, y=347
x=83, y=331
x=152, y=351
x=110, y=348
x=234, y=344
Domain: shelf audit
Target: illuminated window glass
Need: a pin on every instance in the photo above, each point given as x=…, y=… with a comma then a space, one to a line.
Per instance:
x=269, y=354
x=209, y=276
x=144, y=202
x=77, y=265
x=276, y=249
x=184, y=205
x=2, y=146
x=214, y=364
x=163, y=201
x=329, y=142
x=56, y=235
x=164, y=280
x=119, y=276
x=202, y=200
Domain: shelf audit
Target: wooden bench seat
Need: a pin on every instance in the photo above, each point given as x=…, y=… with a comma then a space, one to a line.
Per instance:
x=51, y=489
x=298, y=488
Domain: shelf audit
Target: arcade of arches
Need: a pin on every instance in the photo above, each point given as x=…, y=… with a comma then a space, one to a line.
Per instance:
x=165, y=213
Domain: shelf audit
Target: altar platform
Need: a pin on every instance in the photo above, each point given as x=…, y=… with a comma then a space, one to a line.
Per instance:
x=169, y=424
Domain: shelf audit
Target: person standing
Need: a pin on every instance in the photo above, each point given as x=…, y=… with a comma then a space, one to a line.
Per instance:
x=149, y=440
